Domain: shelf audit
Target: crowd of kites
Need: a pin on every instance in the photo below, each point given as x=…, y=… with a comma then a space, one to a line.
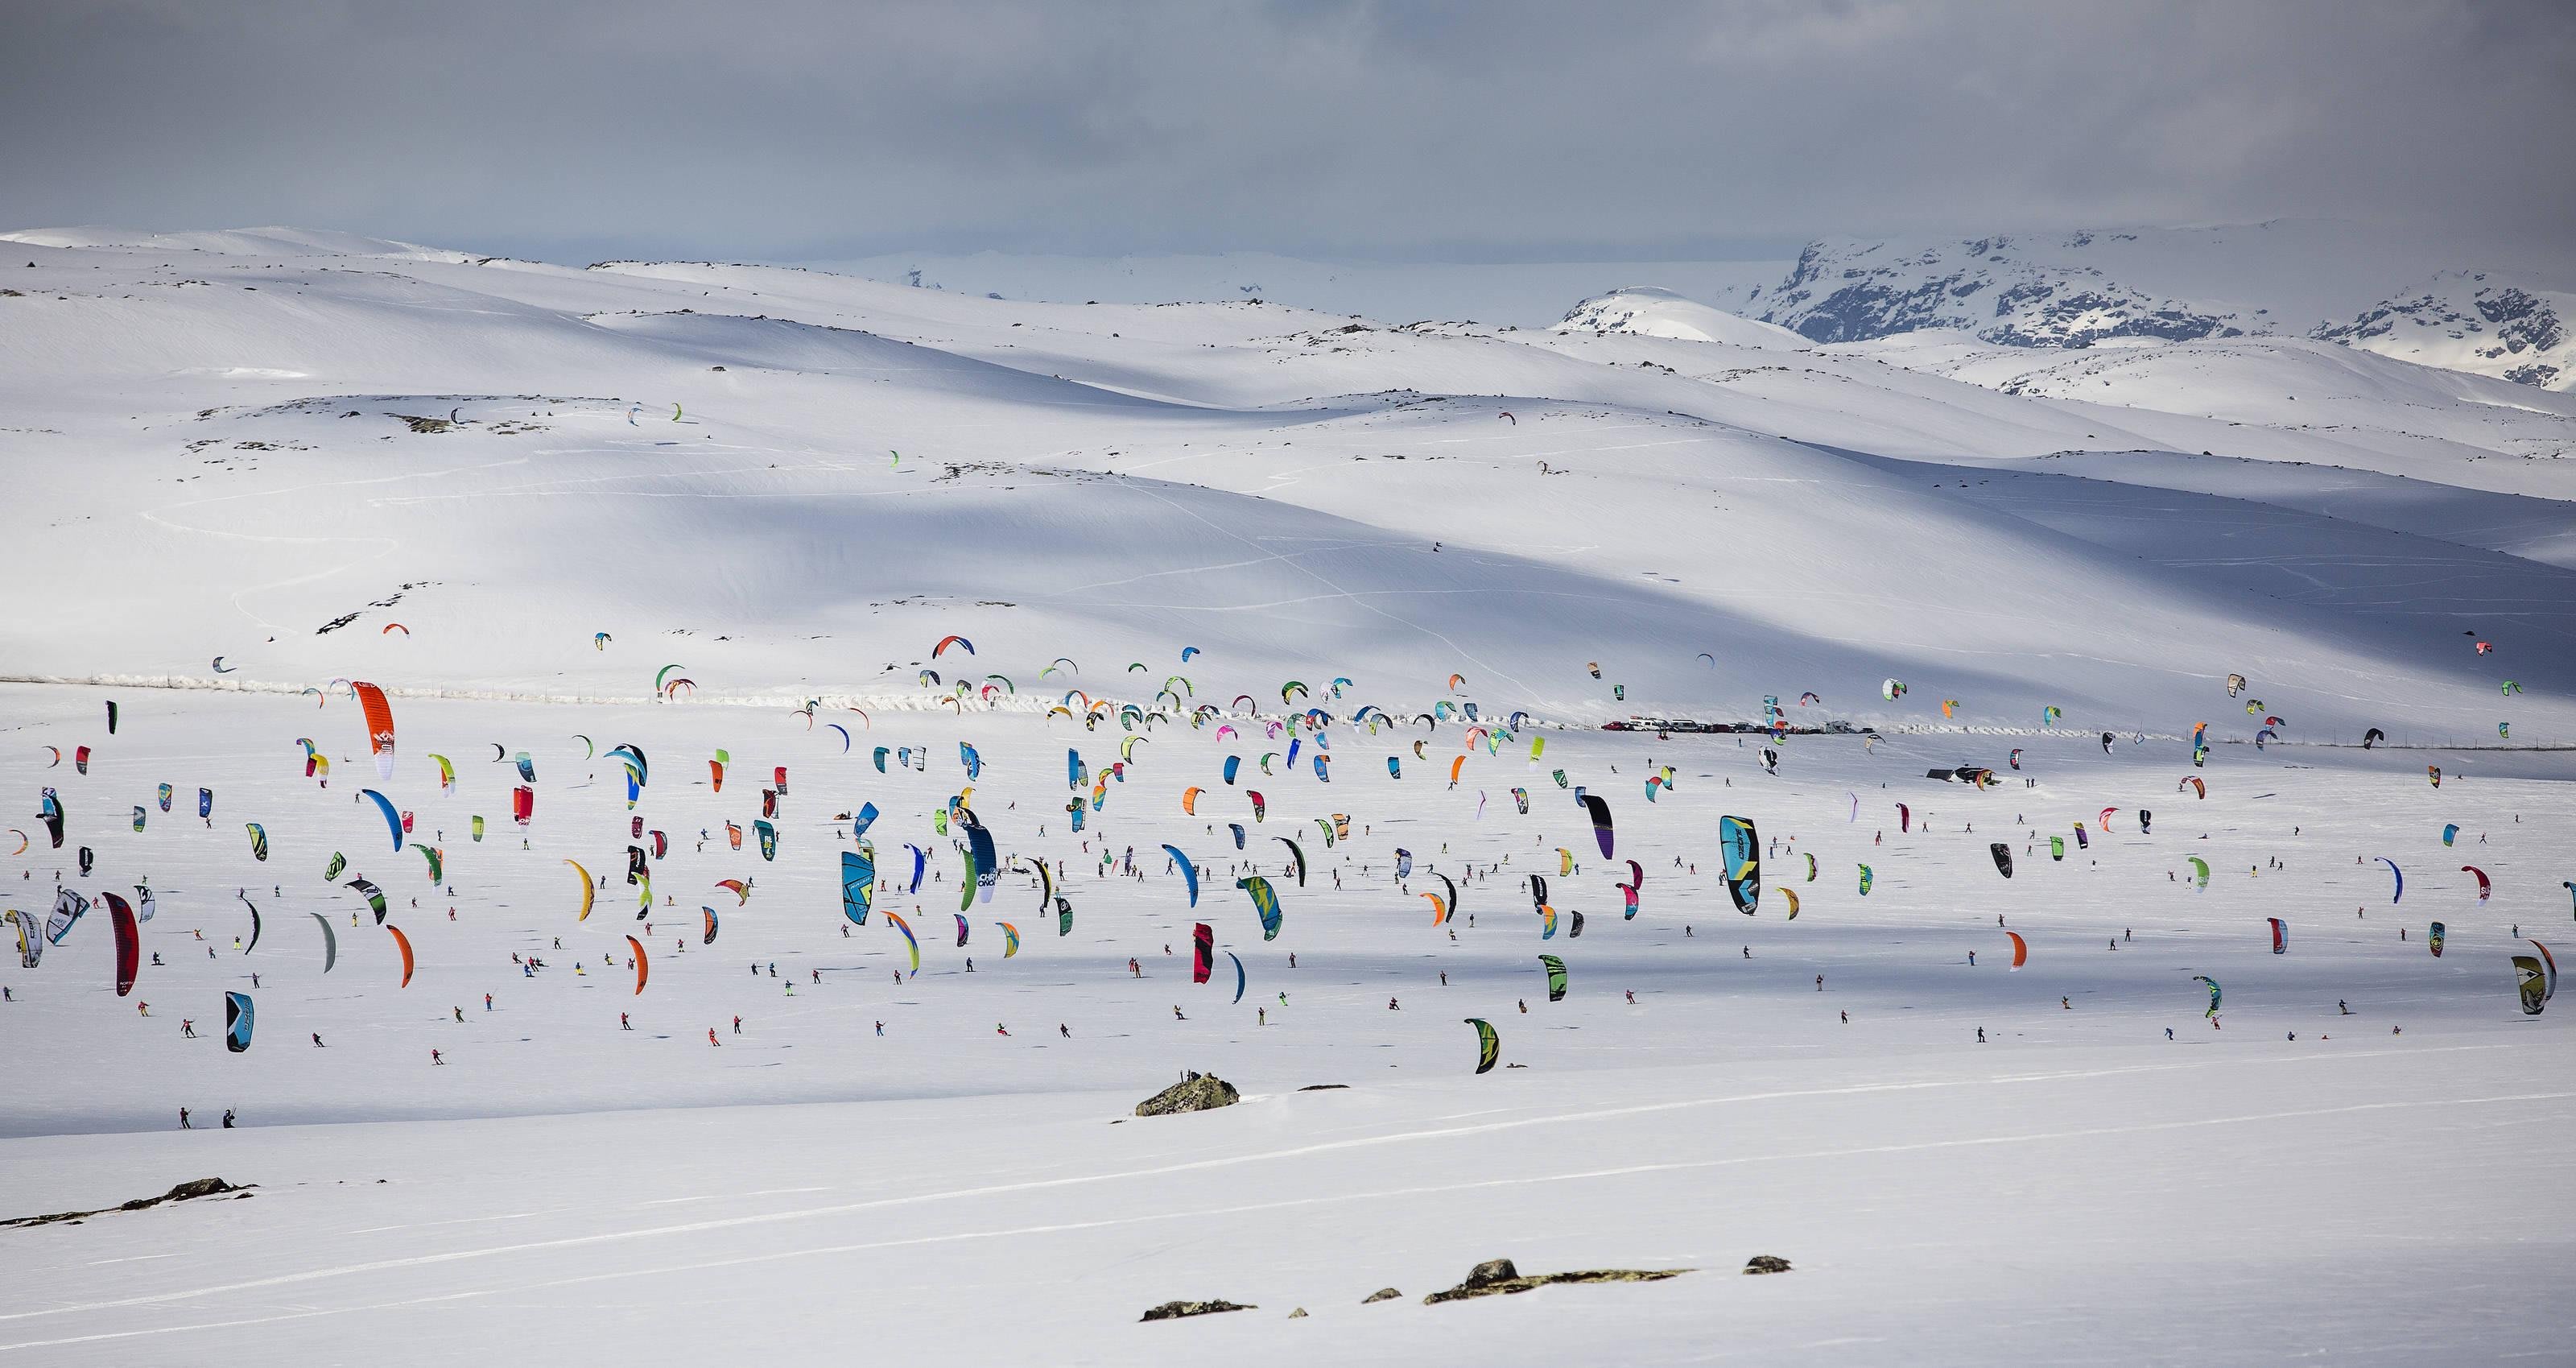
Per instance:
x=1302, y=725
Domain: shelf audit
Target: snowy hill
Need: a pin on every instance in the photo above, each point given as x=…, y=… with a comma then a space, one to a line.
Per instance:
x=514, y=420
x=1163, y=599
x=1651, y=312
x=2472, y=321
x=1520, y=294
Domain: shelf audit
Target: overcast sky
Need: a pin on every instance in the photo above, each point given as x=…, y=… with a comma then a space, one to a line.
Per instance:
x=1479, y=130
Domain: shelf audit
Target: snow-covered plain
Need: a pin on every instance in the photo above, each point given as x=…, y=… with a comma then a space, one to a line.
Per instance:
x=219, y=444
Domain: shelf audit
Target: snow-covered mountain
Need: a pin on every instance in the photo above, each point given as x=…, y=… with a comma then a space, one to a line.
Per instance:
x=2473, y=321
x=1994, y=288
x=1648, y=311
x=2287, y=278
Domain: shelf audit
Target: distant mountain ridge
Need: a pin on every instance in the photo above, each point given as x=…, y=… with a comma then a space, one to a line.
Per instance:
x=2476, y=321
x=2282, y=279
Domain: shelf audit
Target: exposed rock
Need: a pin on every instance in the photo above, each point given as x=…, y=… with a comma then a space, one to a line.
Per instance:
x=1498, y=1277
x=1198, y=1092
x=196, y=1187
x=2034, y=292
x=2464, y=320
x=1766, y=1263
x=1174, y=1310
x=1322, y=1087
x=1298, y=1314
x=1382, y=1294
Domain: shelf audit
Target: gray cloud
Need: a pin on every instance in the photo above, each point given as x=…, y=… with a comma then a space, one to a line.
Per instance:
x=799, y=128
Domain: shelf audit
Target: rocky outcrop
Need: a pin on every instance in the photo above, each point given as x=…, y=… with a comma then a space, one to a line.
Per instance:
x=1198, y=1092
x=194, y=1187
x=2474, y=321
x=1998, y=288
x=1766, y=1263
x=1498, y=1277
x=1175, y=1310
x=1382, y=1294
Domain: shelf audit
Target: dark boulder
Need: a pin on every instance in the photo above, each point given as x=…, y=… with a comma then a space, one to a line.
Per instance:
x=1198, y=1092
x=1175, y=1310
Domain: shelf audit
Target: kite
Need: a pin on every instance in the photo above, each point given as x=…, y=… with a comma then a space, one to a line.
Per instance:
x=587, y=892
x=393, y=822
x=380, y=724
x=1743, y=852
x=858, y=882
x=1265, y=902
x=896, y=920
x=375, y=897
x=1488, y=1045
x=1599, y=807
x=129, y=942
x=237, y=1022
x=1555, y=977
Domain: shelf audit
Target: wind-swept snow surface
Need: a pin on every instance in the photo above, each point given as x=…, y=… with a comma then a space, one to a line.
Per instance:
x=670, y=554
